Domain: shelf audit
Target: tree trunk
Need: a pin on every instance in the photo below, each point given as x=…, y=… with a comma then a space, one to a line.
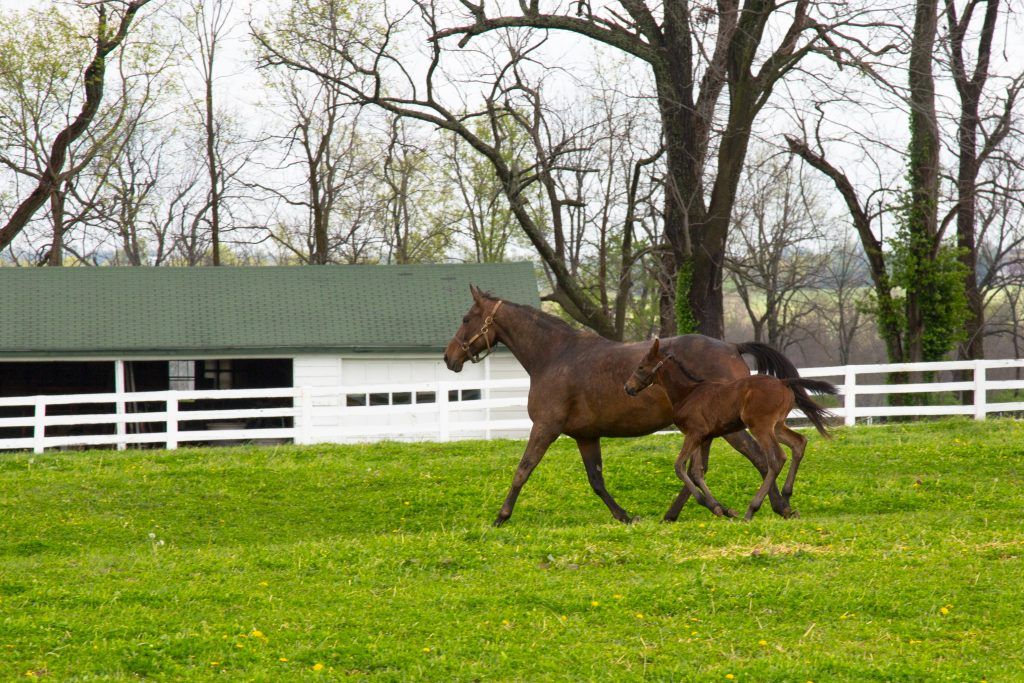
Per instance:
x=922, y=214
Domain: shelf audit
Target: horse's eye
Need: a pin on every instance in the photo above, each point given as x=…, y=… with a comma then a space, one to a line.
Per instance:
x=465, y=321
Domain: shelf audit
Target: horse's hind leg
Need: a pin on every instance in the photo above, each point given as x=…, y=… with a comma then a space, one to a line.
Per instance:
x=745, y=444
x=540, y=438
x=590, y=449
x=774, y=458
x=797, y=443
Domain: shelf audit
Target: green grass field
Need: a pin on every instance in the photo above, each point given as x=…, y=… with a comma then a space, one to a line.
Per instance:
x=379, y=562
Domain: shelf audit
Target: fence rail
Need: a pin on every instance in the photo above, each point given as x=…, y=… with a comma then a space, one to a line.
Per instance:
x=321, y=414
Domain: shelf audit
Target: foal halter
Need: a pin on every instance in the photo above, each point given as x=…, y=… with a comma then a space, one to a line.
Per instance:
x=488, y=321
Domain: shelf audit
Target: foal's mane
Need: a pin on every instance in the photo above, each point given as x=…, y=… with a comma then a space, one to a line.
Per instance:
x=682, y=367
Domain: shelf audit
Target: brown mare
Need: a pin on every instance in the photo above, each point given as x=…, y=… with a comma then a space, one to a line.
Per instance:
x=703, y=410
x=576, y=382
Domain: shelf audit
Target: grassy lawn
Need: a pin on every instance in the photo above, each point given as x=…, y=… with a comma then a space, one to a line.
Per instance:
x=379, y=562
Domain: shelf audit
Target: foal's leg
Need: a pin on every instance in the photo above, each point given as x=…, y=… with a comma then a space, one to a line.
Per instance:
x=672, y=514
x=590, y=449
x=540, y=438
x=745, y=444
x=766, y=439
x=686, y=459
x=697, y=469
x=797, y=443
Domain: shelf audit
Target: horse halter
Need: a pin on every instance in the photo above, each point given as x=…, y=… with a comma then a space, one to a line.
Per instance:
x=488, y=321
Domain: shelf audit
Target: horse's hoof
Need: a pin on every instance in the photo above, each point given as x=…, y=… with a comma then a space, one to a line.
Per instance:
x=731, y=514
x=668, y=520
x=633, y=520
x=718, y=511
x=790, y=513
x=499, y=521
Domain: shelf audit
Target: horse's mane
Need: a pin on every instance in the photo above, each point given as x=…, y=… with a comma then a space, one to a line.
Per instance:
x=540, y=318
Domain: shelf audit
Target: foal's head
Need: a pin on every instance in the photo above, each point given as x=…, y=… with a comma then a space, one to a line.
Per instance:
x=647, y=371
x=477, y=335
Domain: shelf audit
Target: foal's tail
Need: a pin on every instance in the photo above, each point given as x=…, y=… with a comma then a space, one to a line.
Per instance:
x=817, y=414
x=768, y=360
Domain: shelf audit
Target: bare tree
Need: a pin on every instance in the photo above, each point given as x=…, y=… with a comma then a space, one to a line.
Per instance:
x=45, y=160
x=970, y=81
x=206, y=23
x=774, y=262
x=693, y=56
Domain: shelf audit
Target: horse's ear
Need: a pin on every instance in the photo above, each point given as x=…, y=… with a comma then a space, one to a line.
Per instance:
x=477, y=294
x=655, y=346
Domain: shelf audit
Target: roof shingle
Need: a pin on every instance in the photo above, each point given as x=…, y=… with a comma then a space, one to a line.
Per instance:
x=68, y=312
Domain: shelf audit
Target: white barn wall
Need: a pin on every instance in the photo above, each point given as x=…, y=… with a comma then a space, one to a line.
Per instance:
x=359, y=370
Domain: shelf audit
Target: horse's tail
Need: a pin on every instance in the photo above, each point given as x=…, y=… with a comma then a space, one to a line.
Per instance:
x=768, y=360
x=816, y=413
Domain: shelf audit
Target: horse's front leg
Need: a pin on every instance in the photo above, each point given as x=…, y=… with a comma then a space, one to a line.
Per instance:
x=672, y=514
x=691, y=446
x=541, y=437
x=699, y=468
x=745, y=444
x=590, y=449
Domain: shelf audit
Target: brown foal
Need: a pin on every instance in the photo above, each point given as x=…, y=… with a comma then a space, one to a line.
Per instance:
x=704, y=410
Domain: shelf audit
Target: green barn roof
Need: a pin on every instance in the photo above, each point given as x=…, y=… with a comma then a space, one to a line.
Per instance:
x=126, y=312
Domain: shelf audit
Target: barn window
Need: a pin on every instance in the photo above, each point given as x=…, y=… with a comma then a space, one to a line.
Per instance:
x=403, y=398
x=218, y=374
x=181, y=374
x=425, y=397
x=464, y=395
x=355, y=399
x=380, y=399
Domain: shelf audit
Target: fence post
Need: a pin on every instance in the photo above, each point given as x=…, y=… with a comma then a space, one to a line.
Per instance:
x=444, y=414
x=119, y=405
x=487, y=396
x=850, y=397
x=172, y=420
x=980, y=399
x=304, y=422
x=39, y=425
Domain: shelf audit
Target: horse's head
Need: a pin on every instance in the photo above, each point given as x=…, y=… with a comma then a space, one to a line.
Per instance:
x=645, y=373
x=477, y=334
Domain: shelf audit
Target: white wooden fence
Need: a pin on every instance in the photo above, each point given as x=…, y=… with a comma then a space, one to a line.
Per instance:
x=43, y=425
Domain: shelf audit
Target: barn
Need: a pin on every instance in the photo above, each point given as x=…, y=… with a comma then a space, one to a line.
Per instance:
x=125, y=330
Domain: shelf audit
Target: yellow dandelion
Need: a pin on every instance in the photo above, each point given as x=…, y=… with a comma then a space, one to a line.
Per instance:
x=639, y=615
x=617, y=596
x=239, y=645
x=214, y=663
x=693, y=633
x=264, y=584
x=426, y=649
x=944, y=611
x=282, y=659
x=729, y=676
x=256, y=633
x=702, y=525
x=594, y=603
x=564, y=618
x=506, y=622
x=762, y=643
x=318, y=666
